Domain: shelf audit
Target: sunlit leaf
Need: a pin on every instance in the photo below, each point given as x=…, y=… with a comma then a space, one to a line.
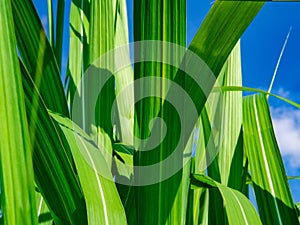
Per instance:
x=273, y=195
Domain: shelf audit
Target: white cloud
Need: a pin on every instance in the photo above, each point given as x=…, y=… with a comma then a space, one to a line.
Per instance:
x=283, y=93
x=286, y=123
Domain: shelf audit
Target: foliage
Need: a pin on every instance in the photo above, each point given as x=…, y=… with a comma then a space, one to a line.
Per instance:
x=75, y=153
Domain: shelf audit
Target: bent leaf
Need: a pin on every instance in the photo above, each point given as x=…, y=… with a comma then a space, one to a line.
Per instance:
x=238, y=208
x=103, y=203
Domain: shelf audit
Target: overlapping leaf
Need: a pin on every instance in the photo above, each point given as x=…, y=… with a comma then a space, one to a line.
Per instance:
x=53, y=164
x=17, y=184
x=208, y=44
x=239, y=209
x=269, y=180
x=38, y=56
x=103, y=203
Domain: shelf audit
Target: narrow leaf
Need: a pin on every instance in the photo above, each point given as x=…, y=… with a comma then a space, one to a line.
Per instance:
x=17, y=183
x=30, y=33
x=124, y=77
x=60, y=16
x=103, y=203
x=273, y=195
x=166, y=21
x=54, y=168
x=78, y=51
x=43, y=213
x=238, y=208
x=50, y=23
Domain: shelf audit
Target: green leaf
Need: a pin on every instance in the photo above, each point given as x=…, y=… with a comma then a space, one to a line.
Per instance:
x=273, y=195
x=229, y=20
x=198, y=204
x=121, y=148
x=60, y=15
x=55, y=173
x=17, y=178
x=123, y=173
x=101, y=40
x=298, y=210
x=209, y=150
x=124, y=77
x=293, y=177
x=37, y=55
x=50, y=23
x=103, y=203
x=234, y=17
x=124, y=160
x=165, y=201
x=78, y=51
x=43, y=213
x=230, y=119
x=238, y=208
x=249, y=89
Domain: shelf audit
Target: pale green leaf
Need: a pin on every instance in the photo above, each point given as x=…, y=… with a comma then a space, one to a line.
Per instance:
x=230, y=119
x=78, y=51
x=101, y=40
x=43, y=213
x=124, y=77
x=50, y=23
x=103, y=203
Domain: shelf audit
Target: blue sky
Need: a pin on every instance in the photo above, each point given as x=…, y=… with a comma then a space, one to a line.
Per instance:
x=261, y=45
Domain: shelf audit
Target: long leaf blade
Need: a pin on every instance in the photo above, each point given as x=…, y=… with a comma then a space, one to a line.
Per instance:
x=55, y=173
x=166, y=22
x=103, y=203
x=270, y=183
x=43, y=70
x=124, y=78
x=238, y=208
x=17, y=184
